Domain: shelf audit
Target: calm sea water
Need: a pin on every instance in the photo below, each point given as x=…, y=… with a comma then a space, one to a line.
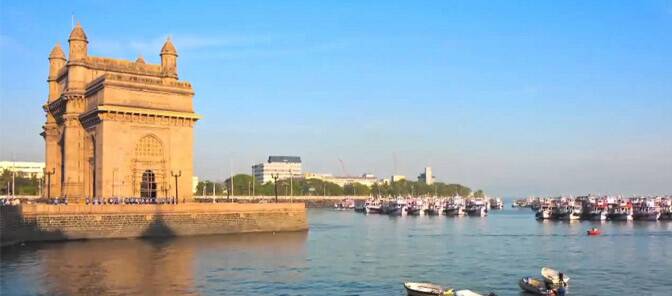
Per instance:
x=347, y=253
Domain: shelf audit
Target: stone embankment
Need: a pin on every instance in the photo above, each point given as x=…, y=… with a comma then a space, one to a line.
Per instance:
x=42, y=222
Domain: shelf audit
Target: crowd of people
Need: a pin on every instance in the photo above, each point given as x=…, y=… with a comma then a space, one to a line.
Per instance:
x=10, y=201
x=130, y=201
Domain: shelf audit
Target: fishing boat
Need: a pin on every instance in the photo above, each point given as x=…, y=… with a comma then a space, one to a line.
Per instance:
x=454, y=207
x=345, y=204
x=425, y=289
x=597, y=214
x=543, y=213
x=553, y=276
x=360, y=206
x=620, y=212
x=373, y=207
x=433, y=208
x=575, y=213
x=534, y=286
x=560, y=213
x=666, y=209
x=477, y=208
x=496, y=203
x=396, y=207
x=413, y=210
x=647, y=211
x=593, y=231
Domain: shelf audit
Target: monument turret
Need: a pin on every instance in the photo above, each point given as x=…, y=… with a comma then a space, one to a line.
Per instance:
x=169, y=60
x=78, y=43
x=56, y=62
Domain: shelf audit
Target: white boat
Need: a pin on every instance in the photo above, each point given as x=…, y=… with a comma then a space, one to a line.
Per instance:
x=373, y=207
x=543, y=213
x=477, y=208
x=575, y=214
x=553, y=276
x=424, y=289
x=466, y=293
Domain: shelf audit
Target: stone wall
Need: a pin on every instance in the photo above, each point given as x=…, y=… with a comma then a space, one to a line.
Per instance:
x=41, y=222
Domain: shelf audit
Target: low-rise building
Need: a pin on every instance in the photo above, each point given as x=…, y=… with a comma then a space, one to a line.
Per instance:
x=27, y=169
x=283, y=167
x=365, y=179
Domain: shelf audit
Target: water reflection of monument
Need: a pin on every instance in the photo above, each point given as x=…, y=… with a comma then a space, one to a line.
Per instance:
x=171, y=267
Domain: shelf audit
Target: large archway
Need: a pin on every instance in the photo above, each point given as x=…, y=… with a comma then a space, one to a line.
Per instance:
x=149, y=167
x=148, y=185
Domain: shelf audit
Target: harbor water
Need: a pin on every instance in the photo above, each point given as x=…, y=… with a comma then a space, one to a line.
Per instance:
x=348, y=253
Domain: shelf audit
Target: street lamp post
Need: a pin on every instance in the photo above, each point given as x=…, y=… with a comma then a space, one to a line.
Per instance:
x=49, y=173
x=275, y=186
x=179, y=174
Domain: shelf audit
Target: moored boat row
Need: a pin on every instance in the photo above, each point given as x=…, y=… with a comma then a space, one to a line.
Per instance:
x=413, y=206
x=605, y=208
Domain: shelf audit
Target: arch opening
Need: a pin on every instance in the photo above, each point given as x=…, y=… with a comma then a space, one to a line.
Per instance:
x=148, y=185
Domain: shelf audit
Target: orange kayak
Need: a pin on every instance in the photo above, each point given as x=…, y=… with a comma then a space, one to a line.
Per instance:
x=593, y=232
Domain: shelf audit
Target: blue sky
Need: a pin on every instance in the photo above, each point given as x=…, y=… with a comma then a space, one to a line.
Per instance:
x=515, y=97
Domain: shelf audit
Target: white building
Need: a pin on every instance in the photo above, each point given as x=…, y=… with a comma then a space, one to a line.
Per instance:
x=365, y=179
x=397, y=178
x=427, y=176
x=24, y=168
x=282, y=166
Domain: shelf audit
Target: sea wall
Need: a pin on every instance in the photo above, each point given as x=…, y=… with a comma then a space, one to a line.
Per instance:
x=42, y=222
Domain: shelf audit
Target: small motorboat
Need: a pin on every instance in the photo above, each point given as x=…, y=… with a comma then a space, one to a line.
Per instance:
x=468, y=293
x=593, y=231
x=532, y=285
x=425, y=289
x=553, y=276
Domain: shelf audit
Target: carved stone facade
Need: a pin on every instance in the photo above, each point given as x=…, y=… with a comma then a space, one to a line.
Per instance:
x=117, y=128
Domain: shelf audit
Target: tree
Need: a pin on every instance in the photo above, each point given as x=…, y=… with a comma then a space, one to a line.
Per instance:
x=23, y=185
x=356, y=189
x=242, y=185
x=479, y=193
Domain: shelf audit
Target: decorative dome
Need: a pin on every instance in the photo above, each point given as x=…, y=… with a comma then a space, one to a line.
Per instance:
x=57, y=52
x=140, y=60
x=78, y=33
x=168, y=48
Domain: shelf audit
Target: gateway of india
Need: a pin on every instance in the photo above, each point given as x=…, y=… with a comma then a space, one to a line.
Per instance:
x=117, y=128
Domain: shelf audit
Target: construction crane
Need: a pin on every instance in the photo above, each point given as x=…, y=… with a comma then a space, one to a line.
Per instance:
x=345, y=172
